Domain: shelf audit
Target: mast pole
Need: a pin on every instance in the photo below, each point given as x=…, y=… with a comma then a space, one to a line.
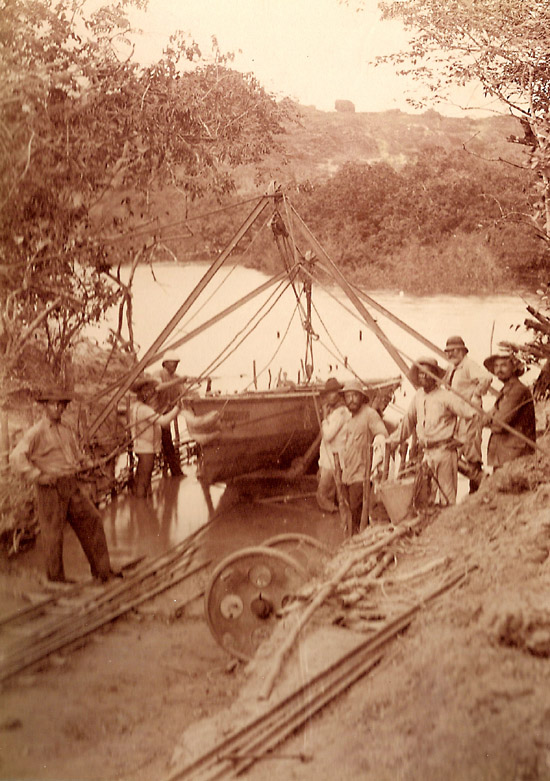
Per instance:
x=189, y=301
x=340, y=280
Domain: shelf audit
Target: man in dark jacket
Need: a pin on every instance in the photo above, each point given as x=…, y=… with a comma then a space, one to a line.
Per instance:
x=514, y=406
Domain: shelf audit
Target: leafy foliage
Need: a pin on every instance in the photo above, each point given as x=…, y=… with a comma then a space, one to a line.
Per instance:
x=380, y=223
x=84, y=132
x=501, y=44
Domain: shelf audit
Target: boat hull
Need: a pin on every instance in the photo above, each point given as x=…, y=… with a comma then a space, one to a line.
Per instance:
x=261, y=431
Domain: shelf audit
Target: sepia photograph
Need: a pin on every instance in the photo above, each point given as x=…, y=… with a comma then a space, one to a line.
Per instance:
x=275, y=390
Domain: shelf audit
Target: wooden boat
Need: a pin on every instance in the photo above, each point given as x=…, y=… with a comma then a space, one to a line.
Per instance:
x=272, y=433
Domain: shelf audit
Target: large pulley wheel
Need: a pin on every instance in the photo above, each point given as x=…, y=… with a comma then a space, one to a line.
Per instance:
x=309, y=552
x=245, y=592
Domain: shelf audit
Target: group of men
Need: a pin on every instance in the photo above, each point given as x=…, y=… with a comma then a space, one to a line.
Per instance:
x=49, y=455
x=445, y=414
x=445, y=417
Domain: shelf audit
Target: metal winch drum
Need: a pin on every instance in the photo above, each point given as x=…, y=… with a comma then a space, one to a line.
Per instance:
x=248, y=589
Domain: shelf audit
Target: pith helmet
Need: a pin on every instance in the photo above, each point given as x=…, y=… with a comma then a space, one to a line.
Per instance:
x=170, y=356
x=55, y=394
x=504, y=352
x=354, y=386
x=455, y=342
x=428, y=363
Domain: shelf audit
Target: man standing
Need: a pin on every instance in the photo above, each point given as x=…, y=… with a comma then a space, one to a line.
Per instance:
x=167, y=393
x=333, y=428
x=146, y=425
x=364, y=424
x=433, y=413
x=471, y=382
x=49, y=455
x=514, y=406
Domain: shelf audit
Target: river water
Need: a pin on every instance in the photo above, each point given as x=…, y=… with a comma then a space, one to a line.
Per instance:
x=277, y=343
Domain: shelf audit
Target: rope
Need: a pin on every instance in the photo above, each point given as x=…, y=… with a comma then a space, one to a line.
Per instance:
x=219, y=360
x=285, y=334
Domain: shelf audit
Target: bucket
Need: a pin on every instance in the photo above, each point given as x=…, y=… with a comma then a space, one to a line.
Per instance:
x=397, y=497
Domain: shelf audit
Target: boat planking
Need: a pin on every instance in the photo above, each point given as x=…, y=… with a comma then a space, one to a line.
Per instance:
x=271, y=433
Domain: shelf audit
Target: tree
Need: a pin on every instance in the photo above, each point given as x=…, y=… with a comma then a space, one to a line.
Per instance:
x=84, y=133
x=502, y=44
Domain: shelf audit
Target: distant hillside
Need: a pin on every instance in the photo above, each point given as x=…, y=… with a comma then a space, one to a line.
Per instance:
x=322, y=141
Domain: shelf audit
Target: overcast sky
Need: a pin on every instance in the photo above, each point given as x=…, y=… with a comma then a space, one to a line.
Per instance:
x=315, y=51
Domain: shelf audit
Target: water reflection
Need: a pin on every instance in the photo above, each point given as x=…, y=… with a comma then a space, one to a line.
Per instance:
x=177, y=508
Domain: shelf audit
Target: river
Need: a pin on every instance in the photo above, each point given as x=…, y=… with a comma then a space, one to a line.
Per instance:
x=277, y=343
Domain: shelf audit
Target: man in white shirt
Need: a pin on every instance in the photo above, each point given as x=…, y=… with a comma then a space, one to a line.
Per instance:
x=433, y=414
x=146, y=427
x=471, y=382
x=335, y=417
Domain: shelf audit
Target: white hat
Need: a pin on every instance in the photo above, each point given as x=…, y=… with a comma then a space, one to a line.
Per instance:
x=170, y=356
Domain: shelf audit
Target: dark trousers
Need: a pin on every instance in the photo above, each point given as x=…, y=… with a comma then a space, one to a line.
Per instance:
x=65, y=502
x=144, y=471
x=354, y=493
x=169, y=451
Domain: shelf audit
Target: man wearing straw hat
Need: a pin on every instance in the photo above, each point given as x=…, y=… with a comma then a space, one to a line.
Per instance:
x=333, y=428
x=167, y=393
x=514, y=406
x=433, y=414
x=49, y=455
x=472, y=382
x=146, y=425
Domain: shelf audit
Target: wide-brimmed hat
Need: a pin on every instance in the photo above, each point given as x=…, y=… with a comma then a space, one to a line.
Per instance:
x=354, y=386
x=143, y=382
x=332, y=386
x=425, y=363
x=54, y=394
x=170, y=356
x=455, y=342
x=504, y=352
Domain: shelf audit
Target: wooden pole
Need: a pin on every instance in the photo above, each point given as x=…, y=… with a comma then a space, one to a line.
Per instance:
x=365, y=510
x=254, y=376
x=4, y=442
x=173, y=322
x=343, y=504
x=342, y=282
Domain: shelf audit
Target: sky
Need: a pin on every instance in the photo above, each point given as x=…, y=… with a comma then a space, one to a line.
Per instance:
x=314, y=51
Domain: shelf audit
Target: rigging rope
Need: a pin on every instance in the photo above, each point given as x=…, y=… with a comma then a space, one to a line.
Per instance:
x=219, y=360
x=268, y=364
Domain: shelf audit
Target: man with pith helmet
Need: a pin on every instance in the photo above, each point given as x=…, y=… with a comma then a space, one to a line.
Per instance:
x=49, y=455
x=472, y=382
x=433, y=414
x=514, y=407
x=364, y=422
